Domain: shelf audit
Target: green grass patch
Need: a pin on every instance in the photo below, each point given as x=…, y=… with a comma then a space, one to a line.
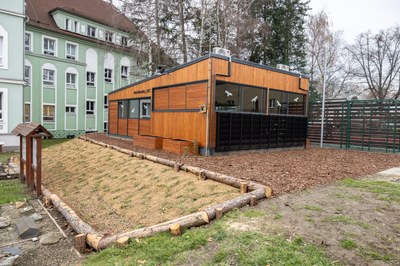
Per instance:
x=313, y=208
x=348, y=244
x=386, y=191
x=46, y=143
x=11, y=191
x=346, y=220
x=253, y=213
x=4, y=157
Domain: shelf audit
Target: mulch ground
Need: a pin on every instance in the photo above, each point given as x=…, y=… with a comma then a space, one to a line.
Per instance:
x=284, y=171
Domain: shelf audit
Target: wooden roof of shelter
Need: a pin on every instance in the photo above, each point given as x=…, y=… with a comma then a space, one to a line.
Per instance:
x=31, y=130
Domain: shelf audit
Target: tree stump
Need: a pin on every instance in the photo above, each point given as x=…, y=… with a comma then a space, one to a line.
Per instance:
x=80, y=243
x=218, y=213
x=253, y=200
x=243, y=187
x=175, y=229
x=177, y=167
x=268, y=192
x=47, y=202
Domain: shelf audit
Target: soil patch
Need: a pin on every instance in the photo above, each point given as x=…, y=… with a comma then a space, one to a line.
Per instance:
x=114, y=192
x=284, y=171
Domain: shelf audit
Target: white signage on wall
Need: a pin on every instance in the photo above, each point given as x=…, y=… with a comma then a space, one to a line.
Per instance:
x=34, y=152
x=24, y=148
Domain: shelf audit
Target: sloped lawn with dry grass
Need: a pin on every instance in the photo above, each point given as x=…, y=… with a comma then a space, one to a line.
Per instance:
x=115, y=193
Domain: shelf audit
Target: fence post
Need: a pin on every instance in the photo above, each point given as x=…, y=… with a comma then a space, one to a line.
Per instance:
x=348, y=124
x=395, y=127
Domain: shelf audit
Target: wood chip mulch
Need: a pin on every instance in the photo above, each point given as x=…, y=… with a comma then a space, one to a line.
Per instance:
x=285, y=171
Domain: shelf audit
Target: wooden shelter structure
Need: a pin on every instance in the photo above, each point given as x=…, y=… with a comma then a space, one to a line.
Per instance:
x=215, y=103
x=31, y=135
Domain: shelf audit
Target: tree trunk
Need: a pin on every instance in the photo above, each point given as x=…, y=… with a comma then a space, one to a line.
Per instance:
x=183, y=35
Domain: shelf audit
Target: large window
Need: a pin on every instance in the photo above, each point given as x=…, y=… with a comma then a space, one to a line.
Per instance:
x=91, y=31
x=239, y=98
x=48, y=77
x=145, y=108
x=108, y=75
x=71, y=51
x=49, y=46
x=281, y=102
x=109, y=36
x=90, y=78
x=134, y=109
x=123, y=109
x=28, y=41
x=90, y=106
x=48, y=113
x=71, y=81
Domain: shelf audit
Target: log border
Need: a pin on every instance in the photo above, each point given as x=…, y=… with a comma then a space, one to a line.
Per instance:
x=99, y=241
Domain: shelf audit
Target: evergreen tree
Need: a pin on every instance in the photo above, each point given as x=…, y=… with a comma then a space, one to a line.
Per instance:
x=286, y=44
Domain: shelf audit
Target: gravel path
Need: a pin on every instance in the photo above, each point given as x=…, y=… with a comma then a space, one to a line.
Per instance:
x=284, y=171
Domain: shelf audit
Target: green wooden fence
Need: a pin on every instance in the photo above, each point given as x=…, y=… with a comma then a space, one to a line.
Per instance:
x=359, y=124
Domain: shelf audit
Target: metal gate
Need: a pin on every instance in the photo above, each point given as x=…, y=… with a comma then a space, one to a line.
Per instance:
x=238, y=131
x=359, y=124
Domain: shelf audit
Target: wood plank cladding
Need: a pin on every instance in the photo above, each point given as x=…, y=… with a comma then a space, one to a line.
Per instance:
x=191, y=73
x=122, y=126
x=190, y=126
x=184, y=97
x=148, y=142
x=180, y=147
x=259, y=77
x=144, y=127
x=113, y=109
x=133, y=127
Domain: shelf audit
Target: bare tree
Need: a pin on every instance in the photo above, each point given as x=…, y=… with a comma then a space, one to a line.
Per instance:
x=377, y=59
x=322, y=39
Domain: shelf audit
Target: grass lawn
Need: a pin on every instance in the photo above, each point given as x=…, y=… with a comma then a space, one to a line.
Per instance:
x=51, y=142
x=12, y=190
x=195, y=246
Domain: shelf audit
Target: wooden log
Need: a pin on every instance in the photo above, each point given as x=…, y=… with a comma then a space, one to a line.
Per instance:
x=243, y=187
x=218, y=213
x=123, y=242
x=253, y=200
x=268, y=191
x=175, y=229
x=160, y=160
x=237, y=202
x=80, y=243
x=192, y=220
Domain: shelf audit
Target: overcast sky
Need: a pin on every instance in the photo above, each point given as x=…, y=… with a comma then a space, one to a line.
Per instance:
x=357, y=16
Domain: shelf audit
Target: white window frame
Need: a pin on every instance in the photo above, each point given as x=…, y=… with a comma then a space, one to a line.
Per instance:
x=76, y=26
x=108, y=74
x=94, y=80
x=122, y=41
x=126, y=74
x=147, y=102
x=4, y=110
x=48, y=52
x=89, y=27
x=105, y=101
x=28, y=79
x=30, y=112
x=109, y=36
x=69, y=84
x=92, y=110
x=71, y=56
x=69, y=108
x=30, y=47
x=105, y=128
x=68, y=24
x=48, y=81
x=4, y=49
x=43, y=116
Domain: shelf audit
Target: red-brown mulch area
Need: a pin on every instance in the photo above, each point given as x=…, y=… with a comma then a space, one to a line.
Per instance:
x=284, y=171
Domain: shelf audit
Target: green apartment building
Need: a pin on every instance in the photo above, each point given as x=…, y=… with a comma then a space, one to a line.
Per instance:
x=11, y=68
x=76, y=52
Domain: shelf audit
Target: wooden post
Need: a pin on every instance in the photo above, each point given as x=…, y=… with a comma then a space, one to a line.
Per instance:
x=38, y=166
x=243, y=187
x=268, y=192
x=202, y=175
x=123, y=242
x=253, y=200
x=28, y=162
x=80, y=243
x=218, y=213
x=175, y=229
x=21, y=163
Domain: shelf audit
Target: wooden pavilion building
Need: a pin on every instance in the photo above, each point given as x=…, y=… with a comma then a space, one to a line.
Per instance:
x=212, y=104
